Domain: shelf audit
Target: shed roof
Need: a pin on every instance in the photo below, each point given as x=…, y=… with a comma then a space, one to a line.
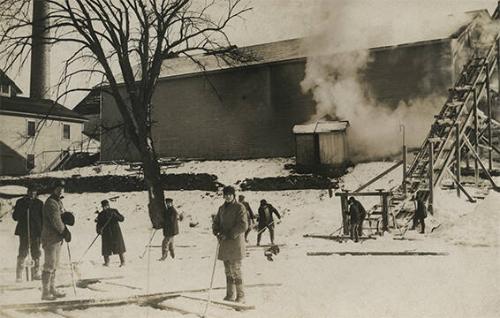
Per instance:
x=321, y=127
x=90, y=104
x=39, y=108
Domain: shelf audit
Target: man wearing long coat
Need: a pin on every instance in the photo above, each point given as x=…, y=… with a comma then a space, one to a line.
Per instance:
x=109, y=228
x=170, y=229
x=229, y=225
x=28, y=215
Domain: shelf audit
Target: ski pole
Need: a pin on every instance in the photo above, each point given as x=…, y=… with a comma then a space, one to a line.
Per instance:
x=263, y=229
x=95, y=239
x=209, y=296
x=148, y=245
x=71, y=268
x=28, y=264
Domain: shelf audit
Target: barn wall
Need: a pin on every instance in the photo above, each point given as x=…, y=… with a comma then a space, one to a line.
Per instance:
x=250, y=112
x=404, y=73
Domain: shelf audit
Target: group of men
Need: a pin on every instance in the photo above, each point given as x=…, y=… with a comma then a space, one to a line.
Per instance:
x=357, y=215
x=46, y=224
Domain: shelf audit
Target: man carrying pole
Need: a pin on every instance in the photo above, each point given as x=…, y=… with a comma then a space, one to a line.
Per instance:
x=54, y=232
x=229, y=225
x=28, y=215
x=266, y=220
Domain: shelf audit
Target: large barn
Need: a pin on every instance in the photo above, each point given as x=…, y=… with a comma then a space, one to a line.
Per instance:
x=248, y=110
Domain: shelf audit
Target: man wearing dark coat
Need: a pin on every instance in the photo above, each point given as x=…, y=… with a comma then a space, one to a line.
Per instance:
x=354, y=218
x=170, y=229
x=250, y=215
x=28, y=215
x=109, y=228
x=420, y=214
x=229, y=225
x=54, y=231
x=266, y=220
x=362, y=215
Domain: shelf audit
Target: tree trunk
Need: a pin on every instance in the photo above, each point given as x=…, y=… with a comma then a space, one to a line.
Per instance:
x=152, y=179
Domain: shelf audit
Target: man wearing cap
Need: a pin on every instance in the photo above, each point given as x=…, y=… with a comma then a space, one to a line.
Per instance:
x=109, y=227
x=54, y=231
x=229, y=225
x=250, y=215
x=266, y=220
x=28, y=215
x=170, y=229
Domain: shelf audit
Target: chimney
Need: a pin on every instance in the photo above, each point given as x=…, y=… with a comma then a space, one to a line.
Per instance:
x=40, y=52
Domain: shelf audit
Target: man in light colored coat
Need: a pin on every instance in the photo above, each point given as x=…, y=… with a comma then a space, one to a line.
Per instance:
x=229, y=226
x=53, y=233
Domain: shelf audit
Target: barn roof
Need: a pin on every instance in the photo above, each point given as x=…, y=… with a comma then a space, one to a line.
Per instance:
x=321, y=127
x=23, y=106
x=90, y=104
x=451, y=26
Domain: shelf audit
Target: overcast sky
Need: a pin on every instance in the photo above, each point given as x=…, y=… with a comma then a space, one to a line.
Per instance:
x=273, y=20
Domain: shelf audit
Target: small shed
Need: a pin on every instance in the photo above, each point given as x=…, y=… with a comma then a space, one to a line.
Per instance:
x=321, y=143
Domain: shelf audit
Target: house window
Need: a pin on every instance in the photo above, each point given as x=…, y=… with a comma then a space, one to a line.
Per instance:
x=31, y=128
x=66, y=132
x=30, y=162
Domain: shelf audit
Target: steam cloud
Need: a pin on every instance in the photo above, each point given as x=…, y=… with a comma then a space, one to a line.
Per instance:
x=339, y=54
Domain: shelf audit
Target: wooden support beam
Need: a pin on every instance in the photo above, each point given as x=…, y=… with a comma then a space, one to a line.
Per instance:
x=357, y=253
x=336, y=237
x=496, y=149
x=476, y=156
x=458, y=160
x=345, y=216
x=488, y=102
x=385, y=213
x=378, y=177
x=404, y=168
x=431, y=177
x=361, y=194
x=460, y=187
x=476, y=138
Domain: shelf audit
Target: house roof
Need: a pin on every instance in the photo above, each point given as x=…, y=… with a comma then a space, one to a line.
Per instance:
x=451, y=26
x=38, y=108
x=4, y=79
x=90, y=104
x=321, y=127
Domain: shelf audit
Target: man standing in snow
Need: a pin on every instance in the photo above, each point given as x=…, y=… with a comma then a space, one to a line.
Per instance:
x=109, y=228
x=362, y=215
x=229, y=224
x=265, y=220
x=420, y=213
x=250, y=215
x=54, y=232
x=355, y=216
x=28, y=215
x=170, y=229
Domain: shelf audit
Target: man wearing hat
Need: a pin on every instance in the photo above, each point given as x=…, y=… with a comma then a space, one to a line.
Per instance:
x=170, y=229
x=229, y=225
x=250, y=215
x=28, y=215
x=109, y=227
x=54, y=231
x=266, y=220
x=420, y=212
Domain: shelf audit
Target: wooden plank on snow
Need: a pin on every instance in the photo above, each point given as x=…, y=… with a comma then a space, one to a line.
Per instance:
x=230, y=304
x=357, y=253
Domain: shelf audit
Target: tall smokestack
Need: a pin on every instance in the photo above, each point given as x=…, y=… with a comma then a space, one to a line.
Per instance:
x=40, y=52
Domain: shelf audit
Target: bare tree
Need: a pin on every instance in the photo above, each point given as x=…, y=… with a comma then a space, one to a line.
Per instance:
x=126, y=42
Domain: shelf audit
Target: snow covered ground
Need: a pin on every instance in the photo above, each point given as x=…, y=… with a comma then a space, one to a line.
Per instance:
x=463, y=283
